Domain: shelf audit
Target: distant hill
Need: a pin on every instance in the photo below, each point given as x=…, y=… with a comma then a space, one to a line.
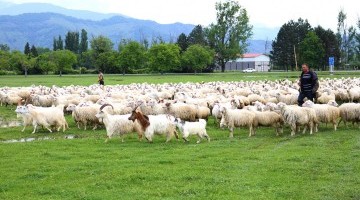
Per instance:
x=39, y=23
x=18, y=9
x=39, y=29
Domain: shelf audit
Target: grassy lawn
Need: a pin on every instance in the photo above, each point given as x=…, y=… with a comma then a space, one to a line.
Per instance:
x=325, y=165
x=65, y=80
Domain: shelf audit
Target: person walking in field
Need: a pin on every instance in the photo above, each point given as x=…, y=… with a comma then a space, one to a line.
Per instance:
x=101, y=78
x=308, y=83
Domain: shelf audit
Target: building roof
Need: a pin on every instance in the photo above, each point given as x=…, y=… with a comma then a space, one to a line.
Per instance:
x=251, y=55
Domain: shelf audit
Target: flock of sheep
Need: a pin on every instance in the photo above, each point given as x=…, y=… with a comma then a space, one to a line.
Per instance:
x=151, y=109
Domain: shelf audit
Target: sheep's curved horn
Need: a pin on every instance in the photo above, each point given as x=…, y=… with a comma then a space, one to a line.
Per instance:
x=103, y=106
x=135, y=108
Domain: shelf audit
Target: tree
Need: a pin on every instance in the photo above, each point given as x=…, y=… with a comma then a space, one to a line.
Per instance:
x=346, y=39
x=198, y=57
x=63, y=60
x=182, y=42
x=107, y=61
x=58, y=44
x=197, y=36
x=287, y=40
x=99, y=45
x=330, y=44
x=164, y=57
x=27, y=50
x=4, y=47
x=45, y=62
x=72, y=41
x=4, y=60
x=86, y=60
x=311, y=50
x=20, y=61
x=132, y=56
x=42, y=50
x=84, y=42
x=358, y=44
x=230, y=33
x=33, y=51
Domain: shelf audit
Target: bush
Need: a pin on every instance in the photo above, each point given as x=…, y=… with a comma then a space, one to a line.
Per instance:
x=4, y=72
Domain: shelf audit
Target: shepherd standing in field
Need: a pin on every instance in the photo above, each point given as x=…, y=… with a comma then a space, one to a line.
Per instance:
x=101, y=79
x=308, y=83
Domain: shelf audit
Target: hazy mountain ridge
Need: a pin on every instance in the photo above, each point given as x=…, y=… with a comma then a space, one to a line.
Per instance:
x=18, y=9
x=48, y=21
x=39, y=29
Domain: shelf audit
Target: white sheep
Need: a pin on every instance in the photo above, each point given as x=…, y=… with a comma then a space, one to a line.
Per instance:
x=288, y=99
x=349, y=112
x=325, y=113
x=237, y=118
x=26, y=117
x=354, y=94
x=296, y=116
x=269, y=118
x=180, y=110
x=46, y=117
x=326, y=96
x=117, y=124
x=202, y=112
x=42, y=100
x=155, y=124
x=192, y=128
x=84, y=114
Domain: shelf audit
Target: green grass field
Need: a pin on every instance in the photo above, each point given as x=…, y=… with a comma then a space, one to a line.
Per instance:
x=325, y=165
x=111, y=79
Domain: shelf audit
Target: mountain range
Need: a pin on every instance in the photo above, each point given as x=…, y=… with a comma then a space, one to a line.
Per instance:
x=39, y=23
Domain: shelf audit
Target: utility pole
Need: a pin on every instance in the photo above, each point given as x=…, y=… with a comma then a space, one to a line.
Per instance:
x=296, y=65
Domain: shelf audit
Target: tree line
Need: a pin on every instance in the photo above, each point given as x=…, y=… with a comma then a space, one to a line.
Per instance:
x=298, y=42
x=204, y=49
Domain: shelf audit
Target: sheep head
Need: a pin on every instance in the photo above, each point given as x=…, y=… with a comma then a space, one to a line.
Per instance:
x=308, y=103
x=103, y=106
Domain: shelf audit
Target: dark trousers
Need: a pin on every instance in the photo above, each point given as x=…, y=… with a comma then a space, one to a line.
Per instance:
x=302, y=96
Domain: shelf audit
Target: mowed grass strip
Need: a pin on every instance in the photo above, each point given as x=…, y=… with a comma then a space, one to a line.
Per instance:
x=114, y=79
x=325, y=165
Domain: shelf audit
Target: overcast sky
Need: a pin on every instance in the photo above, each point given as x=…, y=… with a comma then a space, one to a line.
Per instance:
x=270, y=13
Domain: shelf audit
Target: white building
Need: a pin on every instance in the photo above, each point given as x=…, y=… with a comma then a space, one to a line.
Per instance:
x=258, y=61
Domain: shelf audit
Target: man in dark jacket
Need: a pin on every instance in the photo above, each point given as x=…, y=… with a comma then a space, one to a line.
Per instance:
x=308, y=83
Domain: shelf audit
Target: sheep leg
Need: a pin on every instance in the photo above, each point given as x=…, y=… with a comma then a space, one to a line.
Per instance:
x=206, y=136
x=122, y=138
x=277, y=131
x=168, y=138
x=185, y=139
x=200, y=136
x=334, y=125
x=23, y=128
x=35, y=126
x=293, y=129
x=48, y=128
x=148, y=138
x=311, y=128
x=231, y=132
x=316, y=127
x=251, y=131
x=95, y=127
x=305, y=128
x=176, y=134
